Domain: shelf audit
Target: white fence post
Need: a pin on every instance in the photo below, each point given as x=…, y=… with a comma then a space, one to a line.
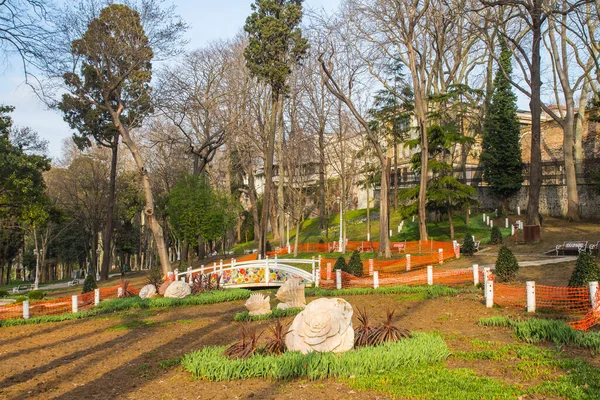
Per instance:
x=487, y=220
x=506, y=222
x=120, y=292
x=318, y=276
x=512, y=230
x=338, y=279
x=267, y=272
x=484, y=217
x=202, y=269
x=475, y=274
x=96, y=297
x=430, y=275
x=530, y=296
x=489, y=294
x=408, y=262
x=593, y=292
x=371, y=266
x=175, y=273
x=375, y=279
x=518, y=210
x=259, y=256
x=486, y=274
x=74, y=303
x=491, y=223
x=313, y=270
x=26, y=309
x=189, y=274
x=441, y=256
x=329, y=268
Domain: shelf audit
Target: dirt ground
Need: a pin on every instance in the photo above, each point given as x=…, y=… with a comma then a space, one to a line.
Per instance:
x=126, y=355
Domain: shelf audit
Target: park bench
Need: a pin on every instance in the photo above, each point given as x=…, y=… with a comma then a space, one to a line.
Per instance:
x=73, y=282
x=24, y=288
x=594, y=247
x=400, y=246
x=574, y=246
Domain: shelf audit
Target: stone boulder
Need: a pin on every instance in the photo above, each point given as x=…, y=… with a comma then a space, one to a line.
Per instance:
x=291, y=294
x=163, y=287
x=178, y=290
x=147, y=291
x=257, y=304
x=325, y=325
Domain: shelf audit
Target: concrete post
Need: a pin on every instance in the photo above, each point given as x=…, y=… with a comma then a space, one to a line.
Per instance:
x=491, y=223
x=202, y=269
x=338, y=279
x=512, y=230
x=486, y=276
x=475, y=274
x=430, y=275
x=506, y=223
x=489, y=294
x=371, y=266
x=408, y=262
x=484, y=217
x=329, y=271
x=96, y=297
x=518, y=210
x=593, y=292
x=441, y=256
x=189, y=274
x=530, y=296
x=318, y=277
x=375, y=279
x=26, y=309
x=313, y=268
x=74, y=303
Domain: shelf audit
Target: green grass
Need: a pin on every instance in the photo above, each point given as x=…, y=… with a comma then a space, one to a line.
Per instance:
x=275, y=313
x=429, y=292
x=422, y=348
x=134, y=324
x=536, y=330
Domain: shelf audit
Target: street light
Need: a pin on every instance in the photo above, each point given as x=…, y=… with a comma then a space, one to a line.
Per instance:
x=98, y=264
x=37, y=268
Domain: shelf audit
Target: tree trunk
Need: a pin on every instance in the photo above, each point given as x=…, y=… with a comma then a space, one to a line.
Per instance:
x=578, y=148
x=451, y=223
x=110, y=210
x=535, y=179
x=395, y=175
x=254, y=206
x=384, y=209
x=322, y=211
x=280, y=198
x=368, y=212
x=298, y=224
x=571, y=176
x=155, y=227
x=264, y=218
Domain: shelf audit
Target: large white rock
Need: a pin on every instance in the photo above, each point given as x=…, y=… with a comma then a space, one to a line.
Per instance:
x=178, y=290
x=147, y=291
x=291, y=294
x=257, y=304
x=325, y=325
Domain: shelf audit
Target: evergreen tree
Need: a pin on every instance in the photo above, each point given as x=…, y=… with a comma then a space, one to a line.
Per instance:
x=586, y=270
x=506, y=265
x=501, y=156
x=355, y=266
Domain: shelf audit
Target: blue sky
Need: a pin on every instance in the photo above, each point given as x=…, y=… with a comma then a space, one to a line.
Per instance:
x=208, y=19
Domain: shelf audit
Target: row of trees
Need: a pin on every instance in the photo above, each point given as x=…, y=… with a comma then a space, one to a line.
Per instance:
x=271, y=115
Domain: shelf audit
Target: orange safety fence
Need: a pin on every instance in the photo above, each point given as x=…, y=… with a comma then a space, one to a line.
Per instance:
x=61, y=305
x=591, y=319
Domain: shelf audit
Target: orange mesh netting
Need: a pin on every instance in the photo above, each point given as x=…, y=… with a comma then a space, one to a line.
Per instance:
x=569, y=299
x=510, y=296
x=61, y=305
x=591, y=319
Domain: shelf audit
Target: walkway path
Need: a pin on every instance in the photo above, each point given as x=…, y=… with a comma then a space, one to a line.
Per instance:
x=545, y=261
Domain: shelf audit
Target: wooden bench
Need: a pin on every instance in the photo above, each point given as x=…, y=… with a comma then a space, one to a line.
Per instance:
x=400, y=246
x=18, y=289
x=574, y=246
x=73, y=282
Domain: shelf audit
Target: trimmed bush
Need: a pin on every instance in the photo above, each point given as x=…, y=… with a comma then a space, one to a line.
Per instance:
x=340, y=263
x=506, y=265
x=35, y=295
x=20, y=299
x=496, y=236
x=468, y=247
x=586, y=270
x=89, y=284
x=355, y=266
x=4, y=293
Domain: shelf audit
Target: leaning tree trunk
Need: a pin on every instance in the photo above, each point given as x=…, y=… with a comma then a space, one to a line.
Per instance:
x=384, y=209
x=110, y=211
x=535, y=179
x=451, y=224
x=322, y=211
x=264, y=218
x=298, y=223
x=254, y=205
x=280, y=194
x=151, y=220
x=571, y=176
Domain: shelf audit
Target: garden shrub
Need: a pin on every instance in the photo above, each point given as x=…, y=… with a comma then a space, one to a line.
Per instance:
x=20, y=299
x=468, y=247
x=3, y=293
x=268, y=246
x=35, y=295
x=355, y=266
x=496, y=236
x=506, y=265
x=340, y=263
x=89, y=284
x=586, y=270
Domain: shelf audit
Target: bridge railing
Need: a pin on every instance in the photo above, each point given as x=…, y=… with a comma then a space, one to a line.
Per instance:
x=267, y=272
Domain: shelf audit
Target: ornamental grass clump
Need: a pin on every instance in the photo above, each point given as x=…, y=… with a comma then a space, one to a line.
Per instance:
x=496, y=236
x=276, y=343
x=363, y=334
x=586, y=270
x=206, y=283
x=388, y=332
x=506, y=265
x=245, y=347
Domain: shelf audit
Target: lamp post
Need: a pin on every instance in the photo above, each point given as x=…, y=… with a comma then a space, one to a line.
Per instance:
x=341, y=244
x=37, y=268
x=98, y=264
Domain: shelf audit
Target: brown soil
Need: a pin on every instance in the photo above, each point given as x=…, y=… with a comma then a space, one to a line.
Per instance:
x=100, y=358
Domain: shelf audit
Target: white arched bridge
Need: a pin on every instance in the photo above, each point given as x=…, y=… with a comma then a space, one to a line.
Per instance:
x=257, y=273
